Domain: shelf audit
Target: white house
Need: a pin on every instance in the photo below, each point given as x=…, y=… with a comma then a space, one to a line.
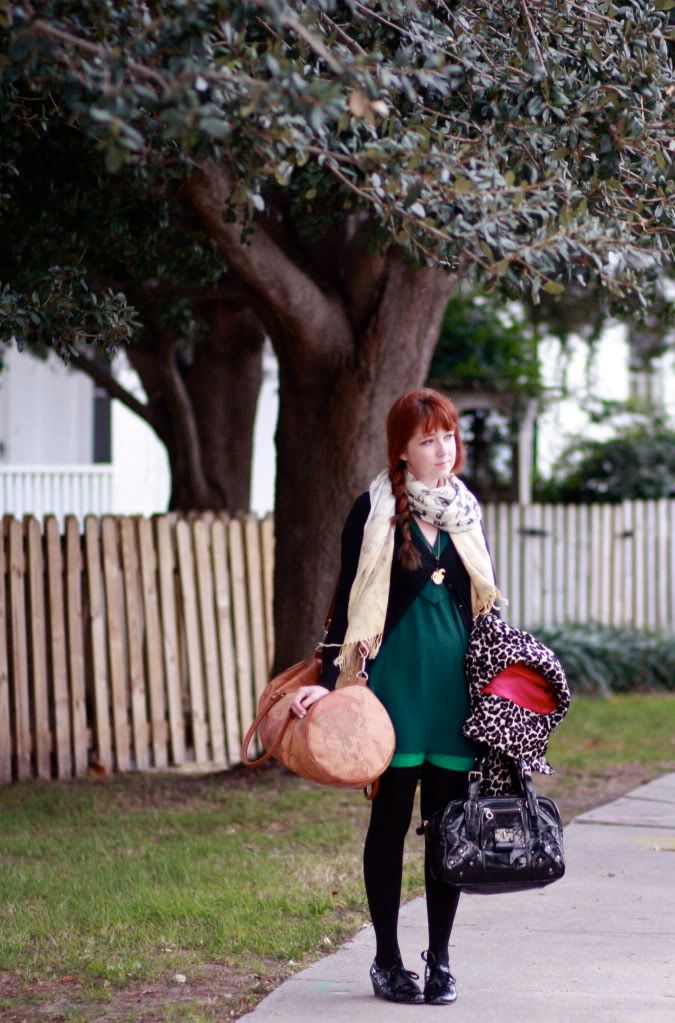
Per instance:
x=65, y=447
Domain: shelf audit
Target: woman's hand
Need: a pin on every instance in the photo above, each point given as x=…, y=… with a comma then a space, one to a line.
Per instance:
x=305, y=697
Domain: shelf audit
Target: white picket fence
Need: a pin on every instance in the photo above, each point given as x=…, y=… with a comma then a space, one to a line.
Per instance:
x=59, y=490
x=608, y=563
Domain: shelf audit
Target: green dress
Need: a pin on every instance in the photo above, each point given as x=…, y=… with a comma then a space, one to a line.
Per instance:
x=419, y=677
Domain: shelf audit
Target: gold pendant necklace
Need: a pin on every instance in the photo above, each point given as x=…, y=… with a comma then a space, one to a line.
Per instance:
x=438, y=575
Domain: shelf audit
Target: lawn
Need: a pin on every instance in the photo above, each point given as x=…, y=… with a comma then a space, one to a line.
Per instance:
x=173, y=898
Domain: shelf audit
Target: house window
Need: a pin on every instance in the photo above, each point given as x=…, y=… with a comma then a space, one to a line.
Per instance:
x=102, y=430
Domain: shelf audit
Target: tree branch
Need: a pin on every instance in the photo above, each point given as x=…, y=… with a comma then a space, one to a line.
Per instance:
x=43, y=28
x=155, y=292
x=401, y=290
x=107, y=381
x=533, y=35
x=311, y=318
x=313, y=42
x=350, y=43
x=184, y=425
x=364, y=271
x=149, y=74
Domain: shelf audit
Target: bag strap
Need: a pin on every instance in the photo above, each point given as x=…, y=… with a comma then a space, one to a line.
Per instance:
x=262, y=714
x=274, y=745
x=326, y=624
x=370, y=791
x=530, y=797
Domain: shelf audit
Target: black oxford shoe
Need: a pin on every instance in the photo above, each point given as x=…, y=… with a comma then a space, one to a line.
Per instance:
x=395, y=984
x=439, y=983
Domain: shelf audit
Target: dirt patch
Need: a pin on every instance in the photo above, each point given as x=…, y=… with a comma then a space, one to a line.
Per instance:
x=130, y=793
x=212, y=992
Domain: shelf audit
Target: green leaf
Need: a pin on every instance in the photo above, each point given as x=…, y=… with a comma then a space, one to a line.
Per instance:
x=217, y=129
x=463, y=186
x=104, y=116
x=553, y=287
x=114, y=159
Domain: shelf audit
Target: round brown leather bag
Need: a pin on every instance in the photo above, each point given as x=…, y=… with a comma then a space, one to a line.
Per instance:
x=346, y=739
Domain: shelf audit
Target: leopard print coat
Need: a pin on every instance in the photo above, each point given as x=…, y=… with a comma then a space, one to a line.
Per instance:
x=509, y=731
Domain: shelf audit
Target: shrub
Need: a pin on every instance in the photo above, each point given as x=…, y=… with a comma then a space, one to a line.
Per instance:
x=639, y=464
x=602, y=659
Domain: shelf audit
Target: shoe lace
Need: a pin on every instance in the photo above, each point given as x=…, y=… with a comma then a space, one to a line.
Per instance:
x=398, y=970
x=432, y=963
x=406, y=976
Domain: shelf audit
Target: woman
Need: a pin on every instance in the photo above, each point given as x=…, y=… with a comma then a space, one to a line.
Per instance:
x=415, y=571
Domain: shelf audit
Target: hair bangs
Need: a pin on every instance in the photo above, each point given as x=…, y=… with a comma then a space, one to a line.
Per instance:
x=437, y=417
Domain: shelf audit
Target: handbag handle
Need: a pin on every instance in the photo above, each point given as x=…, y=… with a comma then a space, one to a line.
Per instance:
x=471, y=809
x=276, y=742
x=257, y=721
x=362, y=679
x=530, y=797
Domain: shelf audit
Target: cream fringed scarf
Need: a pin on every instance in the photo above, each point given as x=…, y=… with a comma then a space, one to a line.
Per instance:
x=451, y=507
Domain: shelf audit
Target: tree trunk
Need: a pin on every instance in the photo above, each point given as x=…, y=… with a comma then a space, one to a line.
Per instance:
x=331, y=442
x=205, y=412
x=224, y=383
x=352, y=326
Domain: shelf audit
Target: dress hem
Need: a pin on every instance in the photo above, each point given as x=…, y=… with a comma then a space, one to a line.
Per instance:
x=450, y=761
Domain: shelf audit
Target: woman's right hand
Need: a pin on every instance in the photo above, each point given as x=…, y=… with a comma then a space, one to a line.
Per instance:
x=305, y=697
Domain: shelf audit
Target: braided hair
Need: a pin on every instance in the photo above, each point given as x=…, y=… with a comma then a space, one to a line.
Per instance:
x=430, y=410
x=408, y=554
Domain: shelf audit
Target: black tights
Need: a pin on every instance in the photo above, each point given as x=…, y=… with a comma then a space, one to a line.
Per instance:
x=383, y=856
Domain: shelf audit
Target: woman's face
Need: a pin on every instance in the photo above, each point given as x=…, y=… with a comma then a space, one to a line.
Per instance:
x=431, y=456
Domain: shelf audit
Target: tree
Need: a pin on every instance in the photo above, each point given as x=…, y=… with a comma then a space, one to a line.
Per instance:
x=350, y=162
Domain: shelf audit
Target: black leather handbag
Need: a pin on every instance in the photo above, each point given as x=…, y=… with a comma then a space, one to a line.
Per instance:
x=491, y=844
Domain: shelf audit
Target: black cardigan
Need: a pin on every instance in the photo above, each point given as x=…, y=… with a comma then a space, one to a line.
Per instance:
x=404, y=585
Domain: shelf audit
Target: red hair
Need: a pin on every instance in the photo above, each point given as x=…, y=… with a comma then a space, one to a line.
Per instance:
x=419, y=408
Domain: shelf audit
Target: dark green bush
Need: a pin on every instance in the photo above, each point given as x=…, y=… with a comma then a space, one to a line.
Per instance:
x=639, y=464
x=602, y=659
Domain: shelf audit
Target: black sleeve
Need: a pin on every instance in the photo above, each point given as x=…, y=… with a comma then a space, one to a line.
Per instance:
x=350, y=546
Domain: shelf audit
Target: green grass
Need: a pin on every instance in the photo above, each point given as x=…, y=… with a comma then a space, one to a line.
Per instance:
x=93, y=886
x=602, y=733
x=136, y=877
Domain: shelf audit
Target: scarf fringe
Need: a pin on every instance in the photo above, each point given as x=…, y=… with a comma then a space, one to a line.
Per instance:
x=484, y=606
x=352, y=656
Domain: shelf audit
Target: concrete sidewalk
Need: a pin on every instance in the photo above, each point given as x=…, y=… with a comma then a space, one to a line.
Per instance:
x=596, y=947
